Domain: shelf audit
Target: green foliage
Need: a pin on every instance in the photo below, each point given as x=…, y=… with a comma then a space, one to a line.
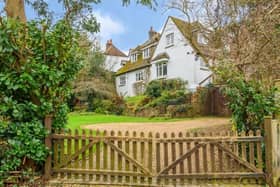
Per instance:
x=169, y=98
x=249, y=100
x=115, y=106
x=156, y=87
x=93, y=83
x=249, y=103
x=38, y=64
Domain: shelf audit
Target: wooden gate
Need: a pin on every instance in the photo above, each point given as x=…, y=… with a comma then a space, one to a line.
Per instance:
x=146, y=159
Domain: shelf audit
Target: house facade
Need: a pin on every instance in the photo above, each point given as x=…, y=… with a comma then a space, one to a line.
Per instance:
x=114, y=58
x=173, y=56
x=134, y=75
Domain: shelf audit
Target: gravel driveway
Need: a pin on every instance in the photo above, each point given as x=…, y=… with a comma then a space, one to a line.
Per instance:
x=176, y=127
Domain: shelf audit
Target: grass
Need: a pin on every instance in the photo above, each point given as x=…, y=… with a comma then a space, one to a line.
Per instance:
x=76, y=120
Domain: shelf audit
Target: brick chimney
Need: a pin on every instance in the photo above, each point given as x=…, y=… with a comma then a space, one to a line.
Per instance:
x=151, y=33
x=109, y=44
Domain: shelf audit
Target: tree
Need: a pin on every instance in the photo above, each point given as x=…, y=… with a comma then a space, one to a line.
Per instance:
x=93, y=82
x=242, y=32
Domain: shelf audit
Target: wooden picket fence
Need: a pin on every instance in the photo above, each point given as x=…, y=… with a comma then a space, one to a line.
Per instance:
x=147, y=159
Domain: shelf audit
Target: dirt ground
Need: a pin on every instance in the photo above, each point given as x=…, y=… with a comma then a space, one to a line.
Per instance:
x=199, y=124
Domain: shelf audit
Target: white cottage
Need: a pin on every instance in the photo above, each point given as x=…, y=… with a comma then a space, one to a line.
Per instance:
x=170, y=55
x=114, y=58
x=176, y=56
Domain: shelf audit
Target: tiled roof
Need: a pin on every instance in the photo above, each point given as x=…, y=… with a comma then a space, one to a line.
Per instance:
x=140, y=63
x=190, y=32
x=112, y=50
x=151, y=41
x=131, y=66
x=161, y=56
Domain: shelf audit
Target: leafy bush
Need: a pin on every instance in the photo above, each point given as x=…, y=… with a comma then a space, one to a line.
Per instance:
x=38, y=63
x=114, y=106
x=157, y=87
x=249, y=103
x=169, y=98
x=249, y=100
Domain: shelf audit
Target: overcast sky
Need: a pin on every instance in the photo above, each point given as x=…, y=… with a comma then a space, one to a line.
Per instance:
x=126, y=26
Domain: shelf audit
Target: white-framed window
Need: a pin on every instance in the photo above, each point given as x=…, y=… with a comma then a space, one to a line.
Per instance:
x=122, y=80
x=169, y=39
x=146, y=53
x=133, y=57
x=161, y=69
x=139, y=76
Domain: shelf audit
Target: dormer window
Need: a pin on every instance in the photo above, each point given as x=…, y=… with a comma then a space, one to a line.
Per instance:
x=201, y=39
x=133, y=57
x=170, y=39
x=146, y=53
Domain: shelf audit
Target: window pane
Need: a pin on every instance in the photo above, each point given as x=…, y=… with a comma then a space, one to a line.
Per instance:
x=164, y=69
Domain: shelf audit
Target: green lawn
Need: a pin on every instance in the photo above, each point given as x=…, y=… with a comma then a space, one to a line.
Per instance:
x=76, y=120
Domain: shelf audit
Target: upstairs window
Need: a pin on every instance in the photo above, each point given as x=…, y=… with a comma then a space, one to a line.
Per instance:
x=139, y=76
x=161, y=69
x=146, y=53
x=170, y=39
x=133, y=57
x=122, y=80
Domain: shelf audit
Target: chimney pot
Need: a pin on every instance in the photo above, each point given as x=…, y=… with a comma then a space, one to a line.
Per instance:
x=109, y=43
x=151, y=33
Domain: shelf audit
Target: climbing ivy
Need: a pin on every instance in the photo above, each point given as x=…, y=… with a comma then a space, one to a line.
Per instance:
x=250, y=100
x=38, y=63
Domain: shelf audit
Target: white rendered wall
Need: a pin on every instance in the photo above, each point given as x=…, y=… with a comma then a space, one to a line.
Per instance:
x=113, y=63
x=128, y=89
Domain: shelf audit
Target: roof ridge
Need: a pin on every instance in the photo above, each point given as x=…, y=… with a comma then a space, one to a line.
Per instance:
x=114, y=51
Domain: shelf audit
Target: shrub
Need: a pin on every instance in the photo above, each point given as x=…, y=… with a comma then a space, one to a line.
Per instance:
x=114, y=106
x=249, y=99
x=169, y=98
x=38, y=64
x=157, y=87
x=249, y=103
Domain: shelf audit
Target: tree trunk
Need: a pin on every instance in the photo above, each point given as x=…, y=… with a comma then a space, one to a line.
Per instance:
x=15, y=9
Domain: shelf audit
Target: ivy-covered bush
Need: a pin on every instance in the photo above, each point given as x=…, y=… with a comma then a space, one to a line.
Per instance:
x=250, y=100
x=249, y=103
x=38, y=63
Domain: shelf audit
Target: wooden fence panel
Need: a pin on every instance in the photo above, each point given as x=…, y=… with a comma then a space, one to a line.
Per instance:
x=147, y=159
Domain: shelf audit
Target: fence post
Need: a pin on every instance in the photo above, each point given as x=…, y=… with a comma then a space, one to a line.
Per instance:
x=268, y=143
x=272, y=159
x=48, y=143
x=277, y=95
